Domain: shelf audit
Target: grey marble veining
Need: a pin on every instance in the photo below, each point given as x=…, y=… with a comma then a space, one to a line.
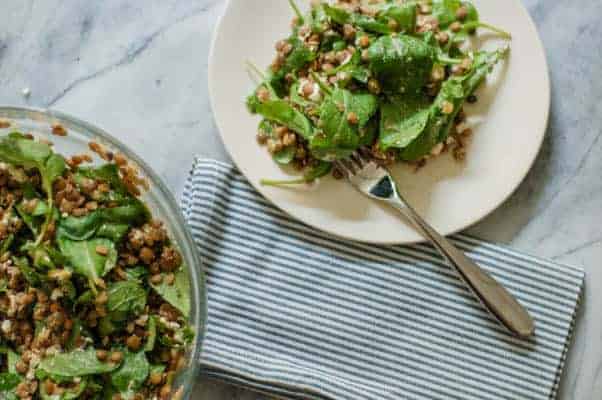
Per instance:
x=139, y=69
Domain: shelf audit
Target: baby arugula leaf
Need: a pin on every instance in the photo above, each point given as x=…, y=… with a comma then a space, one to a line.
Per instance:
x=299, y=57
x=340, y=134
x=76, y=363
x=445, y=12
x=8, y=382
x=403, y=14
x=401, y=63
x=130, y=211
x=126, y=298
x=84, y=258
x=402, y=120
x=132, y=373
x=176, y=294
x=455, y=91
x=283, y=113
x=18, y=150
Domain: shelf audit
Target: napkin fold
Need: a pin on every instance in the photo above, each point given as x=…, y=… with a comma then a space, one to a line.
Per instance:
x=301, y=314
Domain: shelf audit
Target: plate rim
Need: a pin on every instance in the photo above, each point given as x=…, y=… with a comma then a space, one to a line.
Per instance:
x=542, y=132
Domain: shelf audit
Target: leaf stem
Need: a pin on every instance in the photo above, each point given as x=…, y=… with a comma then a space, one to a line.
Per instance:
x=272, y=182
x=444, y=59
x=476, y=24
x=297, y=11
x=252, y=69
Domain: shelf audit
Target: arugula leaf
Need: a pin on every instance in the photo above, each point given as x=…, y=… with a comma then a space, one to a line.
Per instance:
x=402, y=119
x=177, y=294
x=402, y=64
x=85, y=260
x=284, y=156
x=365, y=22
x=125, y=298
x=138, y=273
x=445, y=12
x=339, y=137
x=404, y=15
x=283, y=113
x=114, y=232
x=76, y=363
x=133, y=372
x=455, y=91
x=299, y=57
x=18, y=150
x=108, y=173
x=35, y=219
x=8, y=381
x=130, y=212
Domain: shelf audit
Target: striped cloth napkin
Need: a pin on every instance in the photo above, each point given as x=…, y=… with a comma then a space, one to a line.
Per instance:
x=300, y=314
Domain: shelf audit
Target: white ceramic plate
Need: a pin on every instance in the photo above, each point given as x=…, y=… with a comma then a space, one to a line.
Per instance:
x=510, y=117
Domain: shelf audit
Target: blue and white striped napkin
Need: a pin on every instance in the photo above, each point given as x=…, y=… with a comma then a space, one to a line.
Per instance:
x=300, y=314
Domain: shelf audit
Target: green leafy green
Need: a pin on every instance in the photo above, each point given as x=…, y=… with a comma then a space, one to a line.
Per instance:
x=404, y=15
x=454, y=91
x=283, y=113
x=8, y=381
x=401, y=63
x=138, y=273
x=35, y=219
x=76, y=363
x=177, y=294
x=111, y=231
x=446, y=13
x=403, y=119
x=19, y=150
x=339, y=136
x=299, y=56
x=126, y=298
x=133, y=372
x=84, y=258
x=130, y=212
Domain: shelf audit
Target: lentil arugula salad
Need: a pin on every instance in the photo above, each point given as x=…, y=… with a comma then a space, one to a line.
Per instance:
x=94, y=297
x=389, y=78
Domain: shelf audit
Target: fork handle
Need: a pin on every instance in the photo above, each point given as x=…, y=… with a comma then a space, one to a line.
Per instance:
x=494, y=297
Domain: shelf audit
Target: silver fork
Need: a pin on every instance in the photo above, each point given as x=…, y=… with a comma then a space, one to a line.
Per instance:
x=376, y=182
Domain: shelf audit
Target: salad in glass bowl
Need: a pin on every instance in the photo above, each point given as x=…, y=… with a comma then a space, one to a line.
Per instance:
x=97, y=299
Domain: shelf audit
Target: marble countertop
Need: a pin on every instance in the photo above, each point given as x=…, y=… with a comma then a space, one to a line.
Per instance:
x=139, y=70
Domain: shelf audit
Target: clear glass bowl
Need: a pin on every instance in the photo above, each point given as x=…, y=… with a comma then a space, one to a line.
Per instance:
x=158, y=198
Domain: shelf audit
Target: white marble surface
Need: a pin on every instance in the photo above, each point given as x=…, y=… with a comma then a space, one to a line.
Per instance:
x=138, y=68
